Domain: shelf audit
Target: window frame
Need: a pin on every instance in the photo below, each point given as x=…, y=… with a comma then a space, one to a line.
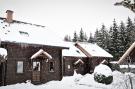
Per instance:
x=53, y=68
x=20, y=71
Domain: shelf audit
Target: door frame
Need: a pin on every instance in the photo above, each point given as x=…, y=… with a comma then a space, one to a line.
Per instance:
x=36, y=73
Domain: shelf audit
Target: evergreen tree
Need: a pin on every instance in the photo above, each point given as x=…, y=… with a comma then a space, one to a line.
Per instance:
x=67, y=38
x=81, y=37
x=122, y=38
x=98, y=37
x=91, y=38
x=130, y=33
x=114, y=41
x=85, y=37
x=102, y=37
x=75, y=37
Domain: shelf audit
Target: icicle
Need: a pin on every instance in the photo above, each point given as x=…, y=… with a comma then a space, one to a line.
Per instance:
x=23, y=45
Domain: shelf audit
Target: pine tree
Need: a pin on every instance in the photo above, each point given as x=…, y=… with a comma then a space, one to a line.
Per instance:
x=67, y=38
x=114, y=41
x=122, y=38
x=81, y=36
x=102, y=37
x=75, y=37
x=130, y=32
x=91, y=38
x=98, y=37
x=85, y=37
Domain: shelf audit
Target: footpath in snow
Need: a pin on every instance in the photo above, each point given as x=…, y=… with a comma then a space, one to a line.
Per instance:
x=120, y=81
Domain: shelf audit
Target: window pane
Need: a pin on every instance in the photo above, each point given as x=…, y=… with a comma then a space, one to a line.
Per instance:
x=51, y=66
x=36, y=66
x=68, y=66
x=20, y=67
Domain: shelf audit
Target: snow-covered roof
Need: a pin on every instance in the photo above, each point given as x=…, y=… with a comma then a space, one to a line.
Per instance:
x=23, y=32
x=94, y=50
x=72, y=51
x=41, y=51
x=3, y=52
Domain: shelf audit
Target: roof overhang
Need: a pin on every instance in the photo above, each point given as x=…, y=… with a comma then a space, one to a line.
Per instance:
x=78, y=61
x=40, y=52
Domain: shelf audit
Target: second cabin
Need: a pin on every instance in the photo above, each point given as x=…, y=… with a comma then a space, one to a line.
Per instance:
x=83, y=57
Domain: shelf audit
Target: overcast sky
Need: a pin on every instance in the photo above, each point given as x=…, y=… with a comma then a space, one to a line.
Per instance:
x=66, y=16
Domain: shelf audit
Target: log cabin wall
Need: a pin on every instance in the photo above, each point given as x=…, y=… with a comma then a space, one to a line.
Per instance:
x=69, y=66
x=23, y=52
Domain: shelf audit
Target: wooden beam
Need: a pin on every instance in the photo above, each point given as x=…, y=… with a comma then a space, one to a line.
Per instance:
x=126, y=54
x=83, y=50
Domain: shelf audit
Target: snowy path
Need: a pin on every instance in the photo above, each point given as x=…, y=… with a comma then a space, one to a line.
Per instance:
x=78, y=81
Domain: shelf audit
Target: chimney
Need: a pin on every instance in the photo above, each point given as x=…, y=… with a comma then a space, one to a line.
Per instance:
x=9, y=17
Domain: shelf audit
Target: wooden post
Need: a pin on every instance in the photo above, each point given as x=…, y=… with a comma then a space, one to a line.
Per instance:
x=129, y=70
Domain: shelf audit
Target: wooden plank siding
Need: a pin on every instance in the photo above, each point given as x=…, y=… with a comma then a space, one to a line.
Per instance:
x=18, y=52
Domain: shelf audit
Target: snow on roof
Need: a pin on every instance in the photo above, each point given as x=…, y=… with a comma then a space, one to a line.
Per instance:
x=28, y=33
x=72, y=51
x=41, y=51
x=94, y=50
x=3, y=52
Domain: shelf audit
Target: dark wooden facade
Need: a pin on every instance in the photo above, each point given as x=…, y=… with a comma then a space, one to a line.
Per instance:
x=69, y=66
x=87, y=67
x=20, y=53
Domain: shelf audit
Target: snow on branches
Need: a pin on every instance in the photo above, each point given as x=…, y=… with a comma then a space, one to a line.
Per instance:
x=127, y=3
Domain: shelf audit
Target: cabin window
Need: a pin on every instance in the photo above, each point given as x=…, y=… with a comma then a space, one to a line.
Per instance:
x=51, y=66
x=20, y=67
x=36, y=66
x=68, y=66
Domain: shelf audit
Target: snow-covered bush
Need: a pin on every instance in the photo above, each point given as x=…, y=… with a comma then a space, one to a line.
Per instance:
x=103, y=74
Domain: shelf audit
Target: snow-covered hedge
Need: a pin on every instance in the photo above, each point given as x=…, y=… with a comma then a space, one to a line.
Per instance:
x=103, y=74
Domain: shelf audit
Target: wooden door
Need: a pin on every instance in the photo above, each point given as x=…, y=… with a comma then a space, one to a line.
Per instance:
x=36, y=76
x=36, y=72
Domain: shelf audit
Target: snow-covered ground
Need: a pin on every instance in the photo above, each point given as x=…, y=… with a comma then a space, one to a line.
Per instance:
x=121, y=81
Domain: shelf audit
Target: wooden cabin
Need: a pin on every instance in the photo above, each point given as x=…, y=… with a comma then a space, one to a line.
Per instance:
x=74, y=59
x=90, y=55
x=33, y=52
x=94, y=53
